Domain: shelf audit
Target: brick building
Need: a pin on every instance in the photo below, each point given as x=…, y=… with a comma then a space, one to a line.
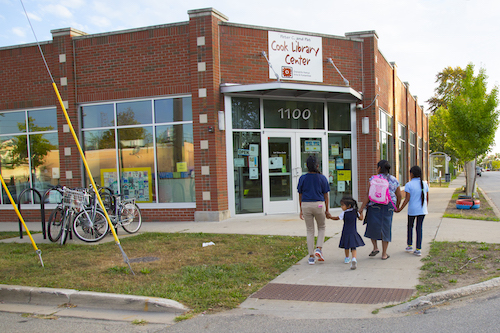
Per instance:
x=205, y=119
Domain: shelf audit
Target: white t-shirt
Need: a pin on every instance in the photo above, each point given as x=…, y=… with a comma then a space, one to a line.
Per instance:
x=415, y=207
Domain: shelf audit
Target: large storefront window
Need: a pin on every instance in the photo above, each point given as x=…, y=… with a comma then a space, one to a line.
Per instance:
x=142, y=149
x=29, y=152
x=247, y=172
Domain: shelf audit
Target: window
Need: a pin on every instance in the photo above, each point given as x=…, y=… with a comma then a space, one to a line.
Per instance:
x=403, y=167
x=247, y=172
x=142, y=149
x=246, y=113
x=413, y=149
x=29, y=152
x=294, y=114
x=386, y=139
x=339, y=167
x=339, y=117
x=419, y=152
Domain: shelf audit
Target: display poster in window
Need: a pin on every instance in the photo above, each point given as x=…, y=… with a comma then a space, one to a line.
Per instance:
x=312, y=145
x=339, y=163
x=344, y=175
x=334, y=150
x=341, y=186
x=347, y=153
x=136, y=183
x=275, y=162
x=244, y=152
x=295, y=57
x=254, y=150
x=239, y=162
x=182, y=167
x=253, y=173
x=253, y=161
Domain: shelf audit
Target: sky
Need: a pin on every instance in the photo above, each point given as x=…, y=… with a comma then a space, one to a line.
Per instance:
x=421, y=36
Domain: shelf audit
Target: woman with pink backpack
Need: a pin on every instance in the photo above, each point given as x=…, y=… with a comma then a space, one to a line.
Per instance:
x=381, y=201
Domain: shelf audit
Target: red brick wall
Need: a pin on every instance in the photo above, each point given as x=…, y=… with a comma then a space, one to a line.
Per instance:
x=151, y=62
x=25, y=81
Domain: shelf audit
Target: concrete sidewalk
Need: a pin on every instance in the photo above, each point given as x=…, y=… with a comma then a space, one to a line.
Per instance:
x=399, y=272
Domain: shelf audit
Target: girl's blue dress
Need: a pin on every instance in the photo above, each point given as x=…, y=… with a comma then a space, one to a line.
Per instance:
x=350, y=238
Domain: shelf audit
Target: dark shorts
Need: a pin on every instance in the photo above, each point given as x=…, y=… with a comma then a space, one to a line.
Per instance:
x=379, y=222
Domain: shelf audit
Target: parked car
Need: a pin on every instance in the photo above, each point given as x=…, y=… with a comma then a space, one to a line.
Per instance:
x=478, y=171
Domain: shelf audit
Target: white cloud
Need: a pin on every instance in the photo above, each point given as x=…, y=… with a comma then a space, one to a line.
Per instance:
x=57, y=10
x=34, y=17
x=18, y=32
x=100, y=21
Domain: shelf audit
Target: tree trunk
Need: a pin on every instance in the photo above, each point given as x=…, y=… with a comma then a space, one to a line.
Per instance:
x=470, y=177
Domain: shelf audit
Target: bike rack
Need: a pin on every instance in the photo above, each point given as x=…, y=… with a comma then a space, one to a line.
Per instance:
x=42, y=209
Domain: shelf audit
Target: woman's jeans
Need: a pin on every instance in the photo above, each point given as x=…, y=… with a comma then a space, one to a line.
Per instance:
x=418, y=228
x=311, y=211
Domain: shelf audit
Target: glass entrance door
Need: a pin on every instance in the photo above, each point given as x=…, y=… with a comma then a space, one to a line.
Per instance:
x=285, y=161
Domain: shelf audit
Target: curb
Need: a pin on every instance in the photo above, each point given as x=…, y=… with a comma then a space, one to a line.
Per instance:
x=87, y=299
x=447, y=295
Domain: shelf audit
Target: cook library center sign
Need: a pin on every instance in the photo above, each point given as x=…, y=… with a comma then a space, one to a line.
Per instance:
x=295, y=57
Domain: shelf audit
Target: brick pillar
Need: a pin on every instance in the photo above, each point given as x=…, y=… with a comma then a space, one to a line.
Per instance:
x=63, y=74
x=209, y=141
x=367, y=143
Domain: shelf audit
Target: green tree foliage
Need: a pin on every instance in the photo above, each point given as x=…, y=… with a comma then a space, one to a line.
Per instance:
x=449, y=85
x=471, y=118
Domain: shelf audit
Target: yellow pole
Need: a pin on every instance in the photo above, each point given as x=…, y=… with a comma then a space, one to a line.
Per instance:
x=85, y=162
x=90, y=175
x=39, y=252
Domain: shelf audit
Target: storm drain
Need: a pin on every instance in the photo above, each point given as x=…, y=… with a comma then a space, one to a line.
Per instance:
x=353, y=295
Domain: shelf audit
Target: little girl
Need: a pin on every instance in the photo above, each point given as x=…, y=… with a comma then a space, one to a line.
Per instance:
x=350, y=238
x=417, y=195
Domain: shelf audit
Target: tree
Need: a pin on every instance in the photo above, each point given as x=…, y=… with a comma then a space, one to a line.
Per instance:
x=471, y=119
x=449, y=86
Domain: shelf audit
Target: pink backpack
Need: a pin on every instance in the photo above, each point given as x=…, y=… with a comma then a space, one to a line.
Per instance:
x=379, y=190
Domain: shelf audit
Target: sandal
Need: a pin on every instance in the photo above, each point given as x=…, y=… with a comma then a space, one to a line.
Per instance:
x=374, y=253
x=388, y=256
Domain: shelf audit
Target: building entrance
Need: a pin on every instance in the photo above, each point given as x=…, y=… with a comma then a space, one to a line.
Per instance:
x=284, y=161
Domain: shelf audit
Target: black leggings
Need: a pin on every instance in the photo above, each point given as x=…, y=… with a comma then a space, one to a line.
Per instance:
x=418, y=229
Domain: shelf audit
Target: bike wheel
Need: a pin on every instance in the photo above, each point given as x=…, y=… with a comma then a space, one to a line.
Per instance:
x=130, y=218
x=90, y=230
x=65, y=228
x=54, y=227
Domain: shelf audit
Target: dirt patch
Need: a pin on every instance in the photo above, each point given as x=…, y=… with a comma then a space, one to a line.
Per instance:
x=452, y=265
x=484, y=212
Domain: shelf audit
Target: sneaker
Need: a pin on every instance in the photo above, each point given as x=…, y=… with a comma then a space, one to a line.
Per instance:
x=409, y=249
x=319, y=254
x=354, y=263
x=417, y=252
x=311, y=261
x=347, y=260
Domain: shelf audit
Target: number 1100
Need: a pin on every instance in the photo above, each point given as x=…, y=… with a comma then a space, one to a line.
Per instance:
x=295, y=114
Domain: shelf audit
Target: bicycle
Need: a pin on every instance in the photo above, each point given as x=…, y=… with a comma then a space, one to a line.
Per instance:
x=74, y=215
x=56, y=219
x=124, y=213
